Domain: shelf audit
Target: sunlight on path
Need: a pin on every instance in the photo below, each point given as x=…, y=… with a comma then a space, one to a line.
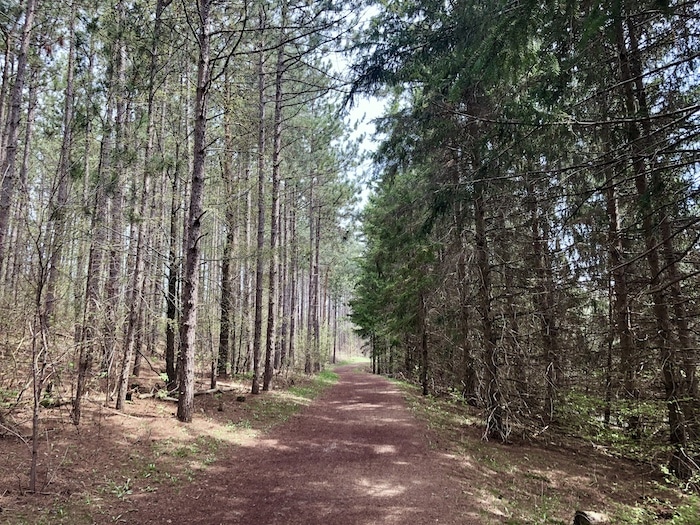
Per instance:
x=356, y=456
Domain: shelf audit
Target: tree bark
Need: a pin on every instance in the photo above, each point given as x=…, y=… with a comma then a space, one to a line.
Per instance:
x=274, y=216
x=58, y=214
x=495, y=427
x=259, y=256
x=8, y=169
x=188, y=328
x=674, y=385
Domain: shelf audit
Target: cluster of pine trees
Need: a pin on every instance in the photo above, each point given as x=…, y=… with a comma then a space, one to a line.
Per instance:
x=173, y=188
x=532, y=241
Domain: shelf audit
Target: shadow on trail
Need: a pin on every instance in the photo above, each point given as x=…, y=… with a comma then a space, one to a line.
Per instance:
x=355, y=457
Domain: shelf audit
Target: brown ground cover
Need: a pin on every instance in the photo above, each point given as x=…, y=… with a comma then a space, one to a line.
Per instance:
x=358, y=454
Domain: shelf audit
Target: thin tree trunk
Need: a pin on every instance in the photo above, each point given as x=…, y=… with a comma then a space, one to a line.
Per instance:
x=308, y=353
x=259, y=255
x=14, y=271
x=171, y=296
x=116, y=219
x=293, y=277
x=58, y=213
x=314, y=305
x=544, y=302
x=423, y=335
x=274, y=218
x=92, y=306
x=285, y=271
x=495, y=427
x=621, y=303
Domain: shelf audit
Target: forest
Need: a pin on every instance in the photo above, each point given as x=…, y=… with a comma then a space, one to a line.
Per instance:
x=183, y=192
x=176, y=197
x=531, y=242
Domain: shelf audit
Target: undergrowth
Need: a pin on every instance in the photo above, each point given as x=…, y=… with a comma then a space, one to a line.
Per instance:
x=524, y=483
x=158, y=463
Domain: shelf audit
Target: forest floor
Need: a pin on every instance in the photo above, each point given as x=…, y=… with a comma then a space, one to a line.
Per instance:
x=362, y=450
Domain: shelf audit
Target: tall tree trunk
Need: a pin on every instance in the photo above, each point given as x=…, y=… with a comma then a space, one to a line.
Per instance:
x=635, y=103
x=92, y=306
x=314, y=306
x=171, y=296
x=245, y=277
x=17, y=234
x=622, y=316
x=423, y=336
x=8, y=169
x=58, y=213
x=309, y=351
x=138, y=275
x=284, y=276
x=116, y=219
x=544, y=301
x=226, y=305
x=259, y=255
x=495, y=426
x=274, y=216
x=293, y=277
x=224, y=361
x=188, y=327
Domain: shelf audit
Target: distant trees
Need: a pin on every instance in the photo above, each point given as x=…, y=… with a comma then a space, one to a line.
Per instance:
x=136, y=190
x=540, y=167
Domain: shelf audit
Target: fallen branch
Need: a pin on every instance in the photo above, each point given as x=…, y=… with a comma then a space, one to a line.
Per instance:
x=217, y=390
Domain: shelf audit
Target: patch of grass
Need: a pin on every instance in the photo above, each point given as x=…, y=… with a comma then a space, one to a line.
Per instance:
x=120, y=489
x=354, y=360
x=653, y=511
x=525, y=483
x=310, y=389
x=243, y=424
x=154, y=463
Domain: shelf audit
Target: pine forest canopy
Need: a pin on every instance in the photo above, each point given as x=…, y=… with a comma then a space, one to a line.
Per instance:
x=178, y=187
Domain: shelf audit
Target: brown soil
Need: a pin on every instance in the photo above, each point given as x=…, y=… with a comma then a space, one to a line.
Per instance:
x=357, y=455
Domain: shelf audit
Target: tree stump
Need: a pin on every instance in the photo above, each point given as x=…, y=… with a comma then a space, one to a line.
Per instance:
x=587, y=517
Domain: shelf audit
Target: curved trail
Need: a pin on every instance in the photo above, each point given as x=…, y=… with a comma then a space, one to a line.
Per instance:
x=356, y=456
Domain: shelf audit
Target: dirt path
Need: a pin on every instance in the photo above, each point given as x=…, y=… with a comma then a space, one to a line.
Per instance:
x=355, y=457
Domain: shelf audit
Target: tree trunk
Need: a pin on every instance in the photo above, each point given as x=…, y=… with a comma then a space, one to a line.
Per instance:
x=88, y=340
x=58, y=213
x=188, y=327
x=285, y=272
x=622, y=307
x=171, y=295
x=8, y=169
x=224, y=362
x=259, y=255
x=116, y=219
x=635, y=103
x=308, y=353
x=293, y=277
x=544, y=301
x=495, y=426
x=274, y=217
x=138, y=276
x=423, y=334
